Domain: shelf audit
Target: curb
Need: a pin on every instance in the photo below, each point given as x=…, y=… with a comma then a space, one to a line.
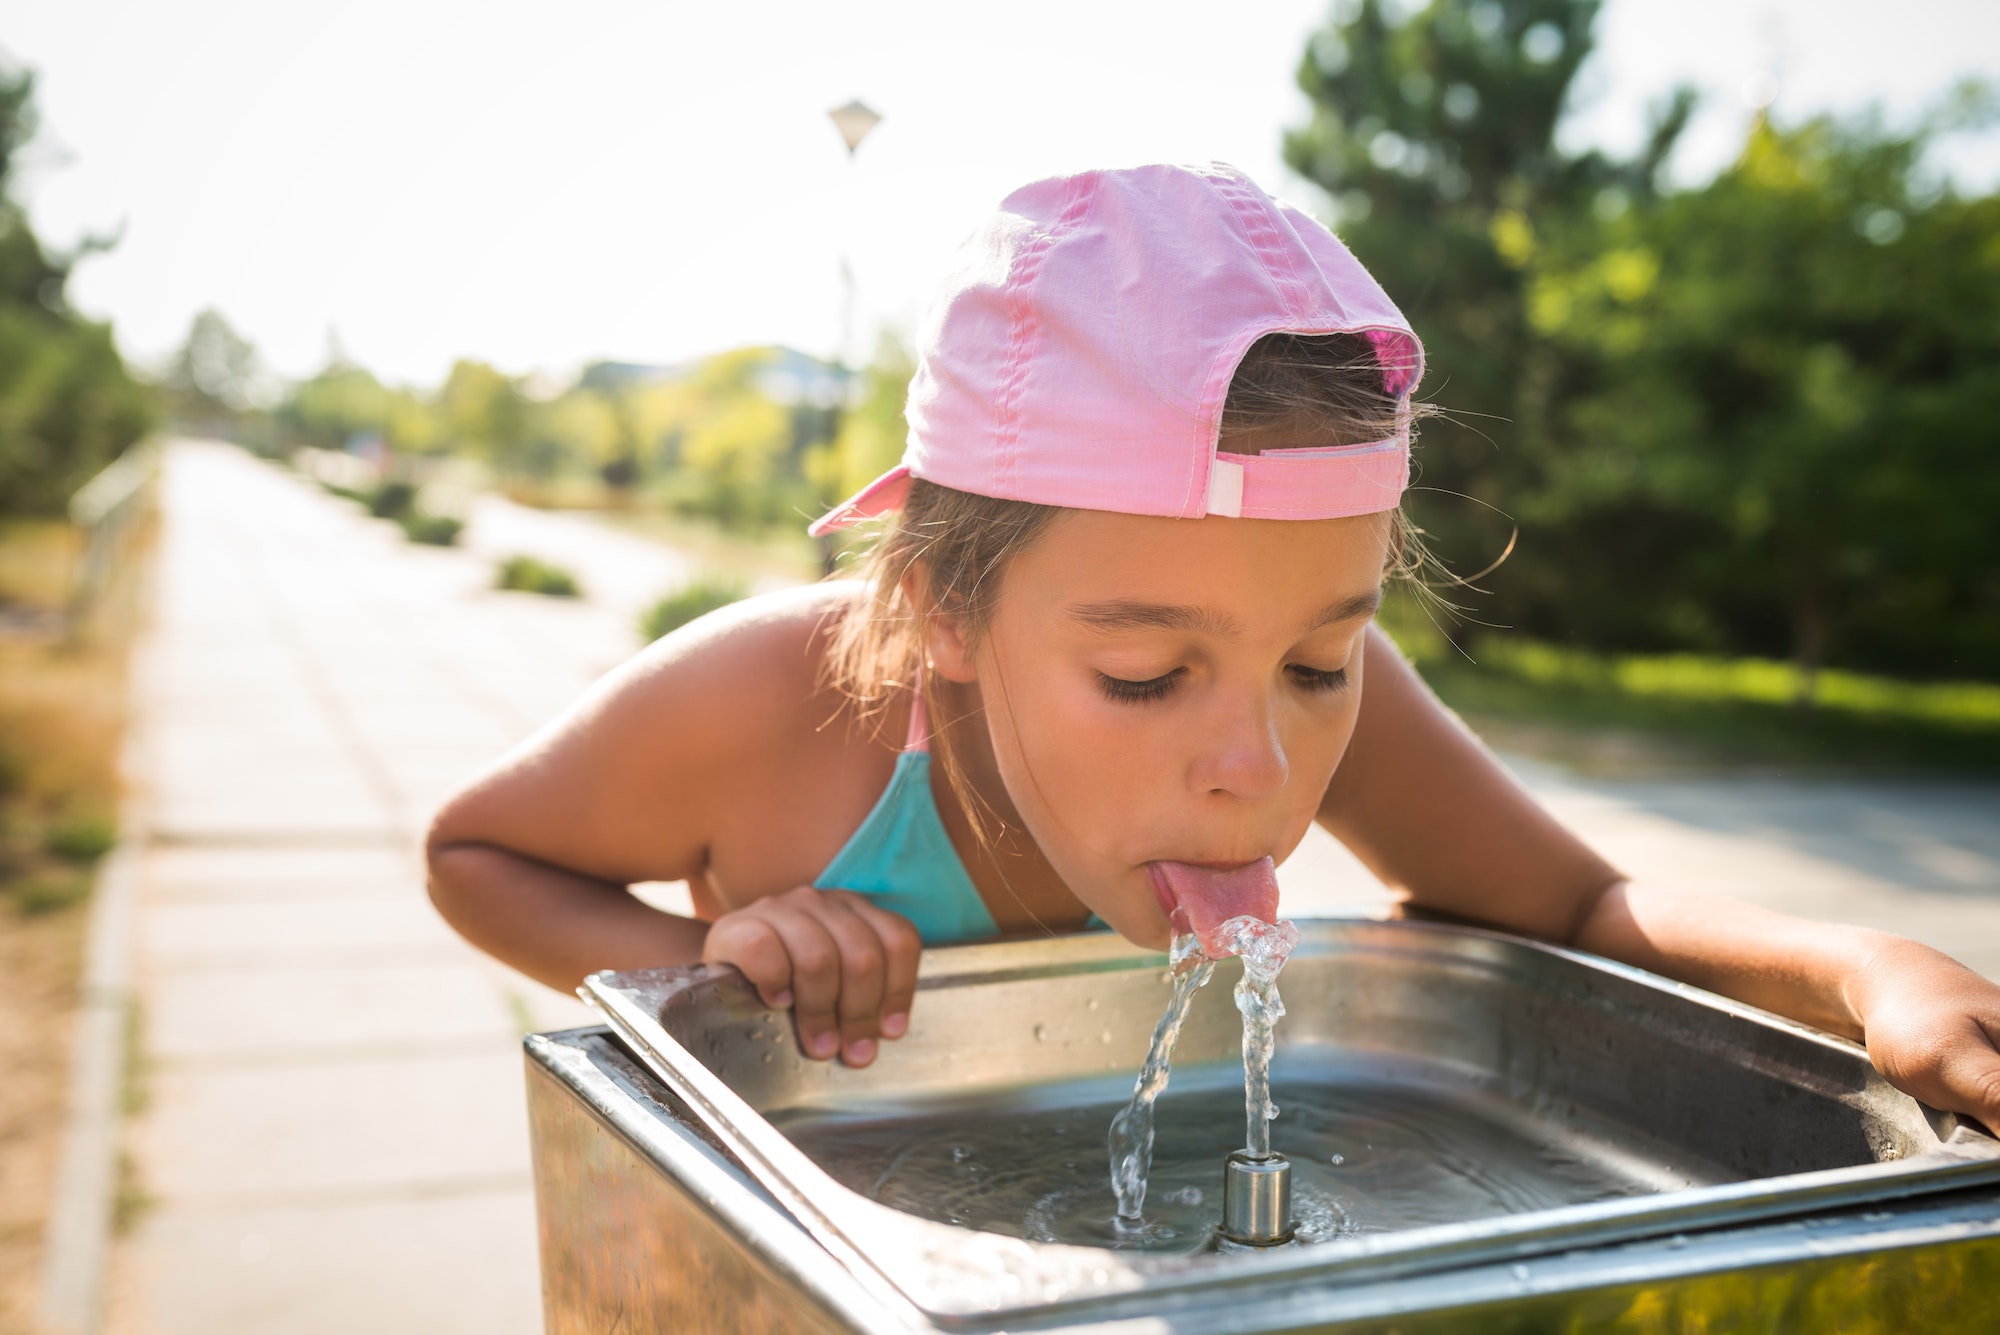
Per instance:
x=77, y=1240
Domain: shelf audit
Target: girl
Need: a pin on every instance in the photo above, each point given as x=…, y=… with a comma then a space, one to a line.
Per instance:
x=1111, y=654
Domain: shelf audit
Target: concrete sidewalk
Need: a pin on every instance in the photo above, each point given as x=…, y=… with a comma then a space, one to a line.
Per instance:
x=332, y=1130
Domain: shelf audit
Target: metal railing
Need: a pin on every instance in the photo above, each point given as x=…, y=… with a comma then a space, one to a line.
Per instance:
x=110, y=509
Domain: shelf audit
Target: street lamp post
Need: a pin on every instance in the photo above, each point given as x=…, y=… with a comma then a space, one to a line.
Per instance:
x=854, y=120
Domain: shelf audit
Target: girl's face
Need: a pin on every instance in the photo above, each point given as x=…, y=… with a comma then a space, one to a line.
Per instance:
x=1173, y=689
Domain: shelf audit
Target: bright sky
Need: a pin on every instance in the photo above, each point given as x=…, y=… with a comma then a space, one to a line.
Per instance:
x=540, y=185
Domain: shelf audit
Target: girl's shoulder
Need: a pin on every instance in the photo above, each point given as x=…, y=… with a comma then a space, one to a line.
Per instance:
x=755, y=669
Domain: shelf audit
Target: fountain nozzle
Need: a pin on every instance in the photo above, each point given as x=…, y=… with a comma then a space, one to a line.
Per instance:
x=1257, y=1199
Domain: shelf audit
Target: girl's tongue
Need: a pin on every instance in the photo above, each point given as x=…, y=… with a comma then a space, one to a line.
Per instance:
x=1201, y=899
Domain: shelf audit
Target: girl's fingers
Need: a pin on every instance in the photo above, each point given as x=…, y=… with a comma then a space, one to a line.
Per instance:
x=861, y=974
x=1970, y=1076
x=901, y=948
x=754, y=948
x=815, y=977
x=847, y=969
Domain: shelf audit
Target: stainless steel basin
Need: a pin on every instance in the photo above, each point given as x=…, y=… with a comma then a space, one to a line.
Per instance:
x=1635, y=1112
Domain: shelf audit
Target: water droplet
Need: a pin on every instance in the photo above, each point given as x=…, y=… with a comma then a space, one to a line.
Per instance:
x=1041, y=1033
x=1337, y=1160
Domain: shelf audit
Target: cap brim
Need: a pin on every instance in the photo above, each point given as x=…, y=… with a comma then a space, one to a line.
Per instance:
x=884, y=494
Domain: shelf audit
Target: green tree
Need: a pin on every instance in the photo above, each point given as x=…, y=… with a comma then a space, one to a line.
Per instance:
x=336, y=405
x=1435, y=138
x=215, y=376
x=737, y=443
x=485, y=414
x=68, y=405
x=873, y=431
x=1780, y=408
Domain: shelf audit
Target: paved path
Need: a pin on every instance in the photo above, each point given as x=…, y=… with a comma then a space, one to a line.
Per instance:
x=1918, y=858
x=333, y=1131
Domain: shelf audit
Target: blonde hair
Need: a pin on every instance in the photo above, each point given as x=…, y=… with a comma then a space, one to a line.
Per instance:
x=947, y=552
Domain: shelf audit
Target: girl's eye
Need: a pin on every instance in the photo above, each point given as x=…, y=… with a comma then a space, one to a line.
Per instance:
x=1313, y=679
x=1139, y=692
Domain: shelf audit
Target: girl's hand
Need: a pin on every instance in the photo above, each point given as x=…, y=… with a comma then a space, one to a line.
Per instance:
x=1933, y=1029
x=847, y=968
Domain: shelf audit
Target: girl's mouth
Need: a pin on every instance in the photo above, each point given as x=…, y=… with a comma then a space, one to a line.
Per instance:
x=1198, y=898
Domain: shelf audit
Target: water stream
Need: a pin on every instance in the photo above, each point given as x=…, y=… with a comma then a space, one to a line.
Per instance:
x=1263, y=947
x=1132, y=1129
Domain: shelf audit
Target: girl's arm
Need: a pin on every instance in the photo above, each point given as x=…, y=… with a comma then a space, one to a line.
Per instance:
x=1433, y=813
x=531, y=862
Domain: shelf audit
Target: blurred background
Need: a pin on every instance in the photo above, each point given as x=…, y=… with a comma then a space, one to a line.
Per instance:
x=374, y=377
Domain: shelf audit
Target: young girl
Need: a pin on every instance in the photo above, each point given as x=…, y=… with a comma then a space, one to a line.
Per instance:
x=1111, y=653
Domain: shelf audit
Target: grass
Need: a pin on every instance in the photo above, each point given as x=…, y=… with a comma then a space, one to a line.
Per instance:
x=1607, y=711
x=61, y=714
x=38, y=559
x=62, y=703
x=528, y=574
x=700, y=596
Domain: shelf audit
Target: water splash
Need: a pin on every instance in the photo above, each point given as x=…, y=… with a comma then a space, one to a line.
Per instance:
x=1263, y=947
x=1131, y=1139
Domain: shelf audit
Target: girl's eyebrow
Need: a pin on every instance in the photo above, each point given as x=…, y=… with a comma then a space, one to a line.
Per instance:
x=1351, y=608
x=1129, y=614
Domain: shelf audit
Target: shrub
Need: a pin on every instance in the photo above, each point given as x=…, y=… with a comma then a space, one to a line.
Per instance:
x=698, y=597
x=525, y=574
x=50, y=890
x=393, y=500
x=348, y=493
x=432, y=530
x=81, y=838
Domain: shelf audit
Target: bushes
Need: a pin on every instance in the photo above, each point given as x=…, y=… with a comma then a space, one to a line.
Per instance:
x=393, y=500
x=433, y=530
x=402, y=502
x=700, y=596
x=526, y=574
x=68, y=404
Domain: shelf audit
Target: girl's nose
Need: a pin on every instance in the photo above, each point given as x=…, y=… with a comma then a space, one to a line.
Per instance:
x=1246, y=759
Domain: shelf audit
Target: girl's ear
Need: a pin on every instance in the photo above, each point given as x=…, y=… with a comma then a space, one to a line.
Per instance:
x=944, y=645
x=944, y=634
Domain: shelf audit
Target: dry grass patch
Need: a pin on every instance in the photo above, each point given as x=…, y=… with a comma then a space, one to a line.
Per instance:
x=62, y=713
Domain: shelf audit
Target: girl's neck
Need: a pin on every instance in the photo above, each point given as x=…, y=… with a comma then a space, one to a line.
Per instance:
x=1020, y=888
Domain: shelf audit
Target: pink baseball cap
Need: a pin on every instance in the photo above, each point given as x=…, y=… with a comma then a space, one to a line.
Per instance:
x=1080, y=352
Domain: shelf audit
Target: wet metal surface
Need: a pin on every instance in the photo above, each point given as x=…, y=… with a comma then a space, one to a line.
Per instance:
x=1491, y=1101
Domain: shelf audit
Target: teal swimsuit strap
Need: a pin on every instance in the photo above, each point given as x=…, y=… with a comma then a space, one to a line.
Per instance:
x=902, y=859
